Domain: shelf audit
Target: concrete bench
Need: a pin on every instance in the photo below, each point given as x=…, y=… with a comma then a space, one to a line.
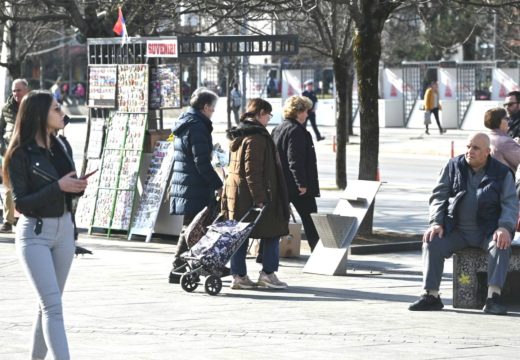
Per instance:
x=470, y=277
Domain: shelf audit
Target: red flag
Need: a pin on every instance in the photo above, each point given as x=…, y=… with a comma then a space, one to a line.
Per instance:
x=120, y=26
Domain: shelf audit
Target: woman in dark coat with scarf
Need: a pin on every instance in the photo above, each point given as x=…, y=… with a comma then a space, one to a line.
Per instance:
x=298, y=158
x=255, y=178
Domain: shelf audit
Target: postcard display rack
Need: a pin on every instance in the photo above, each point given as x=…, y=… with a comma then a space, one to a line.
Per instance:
x=119, y=99
x=155, y=183
x=109, y=200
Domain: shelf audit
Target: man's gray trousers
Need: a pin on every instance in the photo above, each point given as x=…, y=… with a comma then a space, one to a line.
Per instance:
x=439, y=249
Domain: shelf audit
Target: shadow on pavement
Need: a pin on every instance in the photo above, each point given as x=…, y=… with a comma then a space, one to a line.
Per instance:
x=318, y=294
x=511, y=313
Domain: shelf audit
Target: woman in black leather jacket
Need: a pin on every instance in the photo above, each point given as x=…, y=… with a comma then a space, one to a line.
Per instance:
x=39, y=168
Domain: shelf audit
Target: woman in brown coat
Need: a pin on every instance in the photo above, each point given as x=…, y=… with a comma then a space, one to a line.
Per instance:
x=255, y=178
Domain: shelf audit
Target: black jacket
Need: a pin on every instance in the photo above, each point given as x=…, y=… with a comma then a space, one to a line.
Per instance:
x=7, y=119
x=34, y=182
x=514, y=125
x=298, y=157
x=194, y=180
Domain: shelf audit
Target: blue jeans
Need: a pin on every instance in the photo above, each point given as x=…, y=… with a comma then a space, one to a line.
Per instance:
x=46, y=259
x=270, y=257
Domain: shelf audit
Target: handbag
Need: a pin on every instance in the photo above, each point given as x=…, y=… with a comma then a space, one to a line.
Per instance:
x=427, y=117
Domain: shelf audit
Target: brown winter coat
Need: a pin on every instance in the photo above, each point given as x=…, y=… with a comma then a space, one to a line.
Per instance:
x=255, y=176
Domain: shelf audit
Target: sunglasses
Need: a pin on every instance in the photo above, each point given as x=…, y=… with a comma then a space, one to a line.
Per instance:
x=510, y=104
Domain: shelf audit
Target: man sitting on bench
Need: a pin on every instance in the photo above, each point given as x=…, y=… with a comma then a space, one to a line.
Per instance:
x=473, y=204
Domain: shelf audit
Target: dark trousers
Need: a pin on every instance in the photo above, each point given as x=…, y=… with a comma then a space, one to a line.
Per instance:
x=435, y=113
x=305, y=205
x=439, y=249
x=182, y=245
x=312, y=119
x=270, y=250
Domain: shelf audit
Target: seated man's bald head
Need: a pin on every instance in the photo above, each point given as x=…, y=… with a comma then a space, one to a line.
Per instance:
x=477, y=150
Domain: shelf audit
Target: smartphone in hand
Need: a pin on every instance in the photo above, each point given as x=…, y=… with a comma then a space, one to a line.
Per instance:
x=86, y=176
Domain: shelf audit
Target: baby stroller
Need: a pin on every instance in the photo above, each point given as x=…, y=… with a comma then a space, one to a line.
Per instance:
x=210, y=255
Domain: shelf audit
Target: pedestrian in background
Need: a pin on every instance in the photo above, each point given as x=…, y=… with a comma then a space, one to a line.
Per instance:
x=432, y=105
x=40, y=170
x=298, y=158
x=255, y=179
x=503, y=147
x=236, y=102
x=512, y=106
x=309, y=93
x=194, y=181
x=20, y=88
x=56, y=91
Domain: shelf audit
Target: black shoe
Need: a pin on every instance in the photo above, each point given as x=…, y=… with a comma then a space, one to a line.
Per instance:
x=427, y=132
x=427, y=303
x=179, y=266
x=6, y=227
x=321, y=138
x=226, y=272
x=174, y=279
x=494, y=305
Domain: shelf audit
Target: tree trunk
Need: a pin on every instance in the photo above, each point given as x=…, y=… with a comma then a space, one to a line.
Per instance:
x=343, y=83
x=367, y=52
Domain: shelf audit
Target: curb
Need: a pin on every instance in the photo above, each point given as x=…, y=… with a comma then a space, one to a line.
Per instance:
x=385, y=248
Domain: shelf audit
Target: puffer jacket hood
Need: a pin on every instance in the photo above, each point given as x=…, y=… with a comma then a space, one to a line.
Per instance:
x=188, y=118
x=246, y=128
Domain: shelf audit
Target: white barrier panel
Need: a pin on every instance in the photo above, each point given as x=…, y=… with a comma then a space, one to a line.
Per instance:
x=391, y=113
x=448, y=115
x=474, y=119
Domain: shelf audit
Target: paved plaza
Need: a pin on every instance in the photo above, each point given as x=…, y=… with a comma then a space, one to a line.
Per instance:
x=119, y=305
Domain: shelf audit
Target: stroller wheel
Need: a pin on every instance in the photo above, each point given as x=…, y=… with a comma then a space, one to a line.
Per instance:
x=189, y=282
x=213, y=285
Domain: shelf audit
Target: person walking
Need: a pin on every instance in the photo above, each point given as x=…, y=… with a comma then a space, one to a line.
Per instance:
x=432, y=105
x=194, y=181
x=39, y=168
x=236, y=102
x=309, y=93
x=298, y=158
x=255, y=179
x=20, y=88
x=512, y=106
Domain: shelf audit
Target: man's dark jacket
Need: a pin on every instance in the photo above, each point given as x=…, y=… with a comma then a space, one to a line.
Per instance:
x=7, y=120
x=489, y=207
x=298, y=157
x=194, y=180
x=514, y=125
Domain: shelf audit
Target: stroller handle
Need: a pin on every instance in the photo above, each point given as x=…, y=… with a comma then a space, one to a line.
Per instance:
x=254, y=209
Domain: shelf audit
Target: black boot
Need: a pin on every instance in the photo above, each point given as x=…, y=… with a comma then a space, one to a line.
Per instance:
x=179, y=266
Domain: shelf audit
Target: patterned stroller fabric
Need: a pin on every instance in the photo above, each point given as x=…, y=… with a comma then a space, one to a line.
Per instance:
x=199, y=225
x=221, y=241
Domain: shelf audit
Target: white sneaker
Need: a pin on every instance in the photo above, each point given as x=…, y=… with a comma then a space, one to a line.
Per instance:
x=242, y=282
x=270, y=281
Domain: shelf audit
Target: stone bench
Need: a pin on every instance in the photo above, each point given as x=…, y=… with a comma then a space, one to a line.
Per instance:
x=470, y=277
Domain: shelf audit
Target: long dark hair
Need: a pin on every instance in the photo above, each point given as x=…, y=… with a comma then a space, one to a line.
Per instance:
x=254, y=106
x=31, y=123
